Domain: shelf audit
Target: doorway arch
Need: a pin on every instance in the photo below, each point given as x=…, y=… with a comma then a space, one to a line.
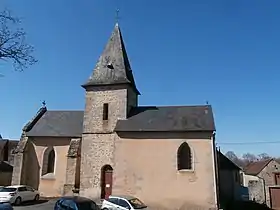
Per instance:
x=106, y=181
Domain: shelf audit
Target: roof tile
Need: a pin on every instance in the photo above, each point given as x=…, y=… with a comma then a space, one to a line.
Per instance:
x=256, y=167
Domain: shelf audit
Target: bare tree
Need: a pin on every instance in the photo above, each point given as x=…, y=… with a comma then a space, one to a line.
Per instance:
x=233, y=157
x=249, y=158
x=264, y=156
x=13, y=46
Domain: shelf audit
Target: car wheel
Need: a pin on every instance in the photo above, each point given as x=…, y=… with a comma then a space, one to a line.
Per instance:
x=18, y=201
x=36, y=198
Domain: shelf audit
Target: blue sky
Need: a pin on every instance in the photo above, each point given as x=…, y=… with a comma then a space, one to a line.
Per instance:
x=181, y=52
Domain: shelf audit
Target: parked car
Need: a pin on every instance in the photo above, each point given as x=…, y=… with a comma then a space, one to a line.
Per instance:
x=122, y=203
x=6, y=206
x=17, y=194
x=75, y=203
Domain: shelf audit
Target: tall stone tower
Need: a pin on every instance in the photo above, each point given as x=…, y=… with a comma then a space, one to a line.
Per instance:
x=110, y=94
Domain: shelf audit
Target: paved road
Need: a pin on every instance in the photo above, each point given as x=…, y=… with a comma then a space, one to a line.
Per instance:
x=42, y=205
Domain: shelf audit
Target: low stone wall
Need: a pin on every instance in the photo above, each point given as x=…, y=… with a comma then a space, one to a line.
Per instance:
x=256, y=190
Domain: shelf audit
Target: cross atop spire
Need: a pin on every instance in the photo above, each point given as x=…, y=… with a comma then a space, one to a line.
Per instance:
x=113, y=66
x=117, y=16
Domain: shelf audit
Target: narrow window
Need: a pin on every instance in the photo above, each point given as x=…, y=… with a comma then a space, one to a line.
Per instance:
x=184, y=158
x=48, y=161
x=105, y=111
x=51, y=160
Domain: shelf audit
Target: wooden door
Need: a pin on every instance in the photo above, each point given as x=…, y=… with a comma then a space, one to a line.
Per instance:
x=275, y=198
x=277, y=178
x=108, y=183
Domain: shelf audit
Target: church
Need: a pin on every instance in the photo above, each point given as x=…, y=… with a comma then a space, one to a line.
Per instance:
x=164, y=155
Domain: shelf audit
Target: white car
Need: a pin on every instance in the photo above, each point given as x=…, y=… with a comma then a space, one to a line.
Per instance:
x=122, y=203
x=17, y=194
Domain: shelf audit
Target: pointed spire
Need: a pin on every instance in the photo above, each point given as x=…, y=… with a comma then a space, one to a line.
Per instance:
x=113, y=65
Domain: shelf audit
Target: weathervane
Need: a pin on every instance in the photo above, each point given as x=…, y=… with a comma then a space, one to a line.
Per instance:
x=44, y=103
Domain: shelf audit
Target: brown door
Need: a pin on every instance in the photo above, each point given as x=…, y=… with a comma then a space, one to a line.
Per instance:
x=275, y=198
x=277, y=178
x=106, y=181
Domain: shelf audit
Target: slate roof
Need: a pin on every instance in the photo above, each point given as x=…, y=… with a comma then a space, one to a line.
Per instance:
x=59, y=124
x=113, y=68
x=157, y=119
x=169, y=118
x=256, y=167
x=225, y=163
x=113, y=65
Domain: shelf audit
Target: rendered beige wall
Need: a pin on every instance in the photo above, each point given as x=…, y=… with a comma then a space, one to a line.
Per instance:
x=147, y=168
x=52, y=185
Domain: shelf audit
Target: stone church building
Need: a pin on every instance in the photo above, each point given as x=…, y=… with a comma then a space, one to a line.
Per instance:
x=164, y=155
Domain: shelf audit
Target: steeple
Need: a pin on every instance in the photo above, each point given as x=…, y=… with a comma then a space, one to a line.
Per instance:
x=113, y=66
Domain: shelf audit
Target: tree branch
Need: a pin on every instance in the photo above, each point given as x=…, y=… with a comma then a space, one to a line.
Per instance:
x=13, y=45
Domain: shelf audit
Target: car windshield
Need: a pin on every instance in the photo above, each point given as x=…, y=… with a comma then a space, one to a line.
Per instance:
x=136, y=203
x=8, y=189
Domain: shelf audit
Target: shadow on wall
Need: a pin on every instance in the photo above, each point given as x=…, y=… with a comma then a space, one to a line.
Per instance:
x=31, y=167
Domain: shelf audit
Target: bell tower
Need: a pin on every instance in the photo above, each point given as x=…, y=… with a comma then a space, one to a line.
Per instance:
x=110, y=94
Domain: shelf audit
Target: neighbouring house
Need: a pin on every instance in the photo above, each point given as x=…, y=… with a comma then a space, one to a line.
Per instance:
x=7, y=148
x=229, y=176
x=165, y=155
x=263, y=181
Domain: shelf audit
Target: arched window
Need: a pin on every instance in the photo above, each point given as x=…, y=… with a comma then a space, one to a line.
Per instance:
x=184, y=157
x=48, y=161
x=51, y=159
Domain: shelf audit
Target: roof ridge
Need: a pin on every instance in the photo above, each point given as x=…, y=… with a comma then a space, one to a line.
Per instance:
x=35, y=119
x=176, y=106
x=70, y=110
x=259, y=166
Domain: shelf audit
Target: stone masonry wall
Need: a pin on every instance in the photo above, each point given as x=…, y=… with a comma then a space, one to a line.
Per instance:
x=117, y=100
x=268, y=175
x=256, y=190
x=18, y=170
x=72, y=180
x=98, y=150
x=98, y=138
